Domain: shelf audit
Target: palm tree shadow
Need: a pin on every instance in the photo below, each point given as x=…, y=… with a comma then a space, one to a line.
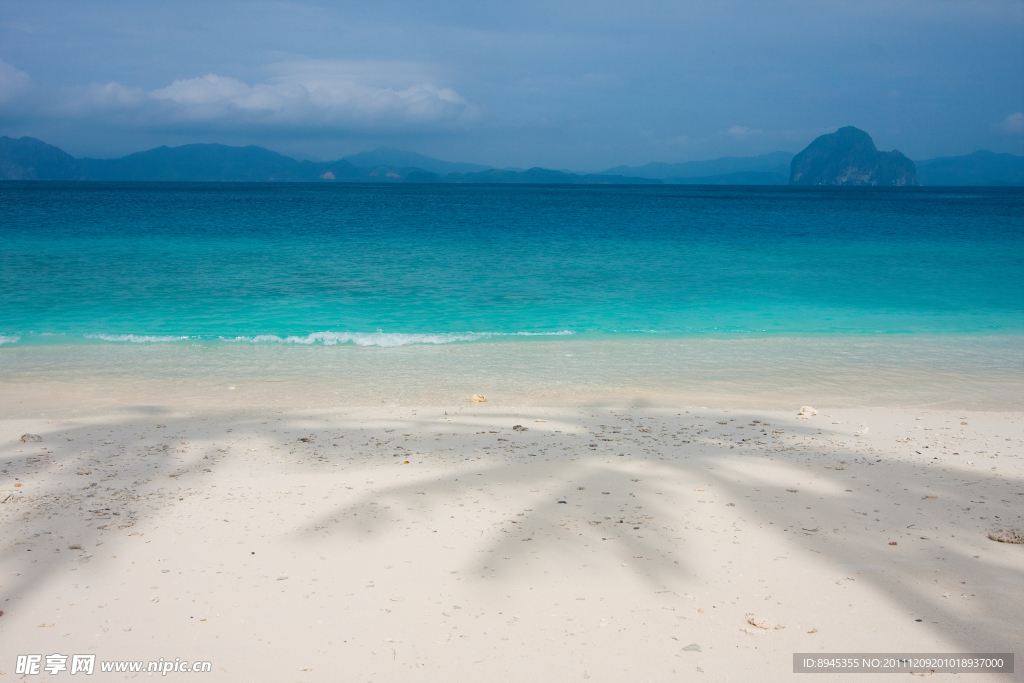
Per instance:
x=635, y=510
x=517, y=508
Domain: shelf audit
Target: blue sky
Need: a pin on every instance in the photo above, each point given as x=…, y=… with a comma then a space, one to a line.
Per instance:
x=577, y=85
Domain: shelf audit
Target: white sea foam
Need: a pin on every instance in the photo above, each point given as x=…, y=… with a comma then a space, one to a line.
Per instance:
x=530, y=334
x=135, y=338
x=383, y=339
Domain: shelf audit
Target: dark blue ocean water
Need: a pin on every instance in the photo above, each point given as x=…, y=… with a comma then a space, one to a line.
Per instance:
x=398, y=264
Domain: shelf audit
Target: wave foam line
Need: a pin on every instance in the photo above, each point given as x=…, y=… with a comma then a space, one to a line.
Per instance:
x=135, y=338
x=384, y=339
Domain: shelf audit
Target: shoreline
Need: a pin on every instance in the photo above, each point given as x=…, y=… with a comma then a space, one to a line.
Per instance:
x=969, y=373
x=217, y=533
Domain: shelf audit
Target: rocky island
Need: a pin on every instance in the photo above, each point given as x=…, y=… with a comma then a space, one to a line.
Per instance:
x=849, y=157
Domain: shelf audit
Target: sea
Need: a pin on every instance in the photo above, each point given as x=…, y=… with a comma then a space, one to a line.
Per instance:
x=391, y=294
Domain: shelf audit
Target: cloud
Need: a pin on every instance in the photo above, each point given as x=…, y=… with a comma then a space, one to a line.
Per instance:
x=310, y=97
x=99, y=97
x=208, y=90
x=742, y=131
x=1014, y=123
x=298, y=95
x=13, y=83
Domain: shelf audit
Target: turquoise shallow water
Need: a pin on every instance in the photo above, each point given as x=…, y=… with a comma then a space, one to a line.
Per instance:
x=393, y=265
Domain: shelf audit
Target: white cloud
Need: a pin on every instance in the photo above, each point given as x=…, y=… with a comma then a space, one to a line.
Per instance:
x=314, y=93
x=742, y=131
x=13, y=83
x=210, y=89
x=100, y=97
x=1014, y=123
x=296, y=95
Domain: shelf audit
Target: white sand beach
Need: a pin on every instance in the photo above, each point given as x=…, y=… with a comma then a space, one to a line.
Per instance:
x=530, y=342
x=441, y=543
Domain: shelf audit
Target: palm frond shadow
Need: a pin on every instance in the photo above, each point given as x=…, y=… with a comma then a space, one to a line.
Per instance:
x=636, y=521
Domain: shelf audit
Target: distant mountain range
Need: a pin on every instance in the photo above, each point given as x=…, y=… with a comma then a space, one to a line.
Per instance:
x=385, y=156
x=978, y=168
x=30, y=159
x=766, y=169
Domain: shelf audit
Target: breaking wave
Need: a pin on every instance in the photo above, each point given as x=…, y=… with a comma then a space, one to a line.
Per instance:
x=136, y=338
x=381, y=339
x=385, y=339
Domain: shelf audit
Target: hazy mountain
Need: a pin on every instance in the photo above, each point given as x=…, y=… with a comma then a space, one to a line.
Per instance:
x=30, y=159
x=192, y=162
x=537, y=175
x=720, y=169
x=385, y=156
x=777, y=177
x=849, y=157
x=214, y=162
x=980, y=168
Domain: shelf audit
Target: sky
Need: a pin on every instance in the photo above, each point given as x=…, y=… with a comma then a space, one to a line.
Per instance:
x=579, y=85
